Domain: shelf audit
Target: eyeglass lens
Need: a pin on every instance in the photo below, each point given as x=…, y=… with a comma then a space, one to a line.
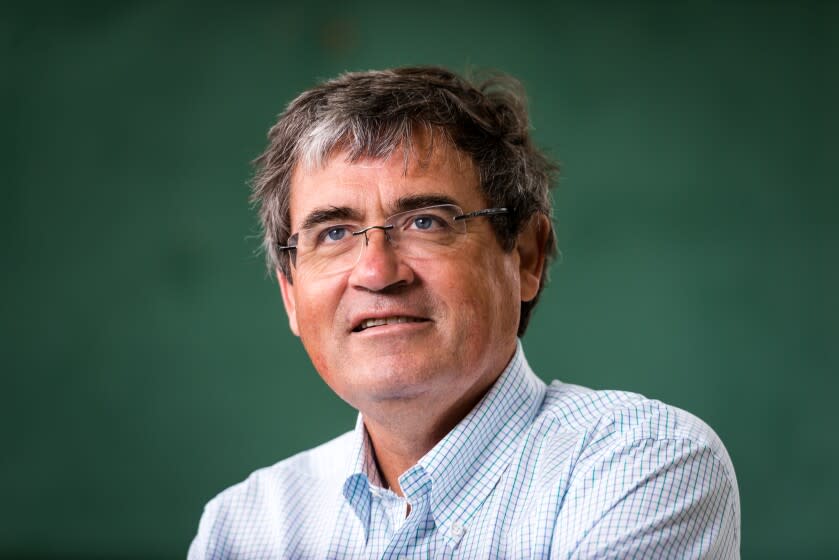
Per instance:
x=424, y=233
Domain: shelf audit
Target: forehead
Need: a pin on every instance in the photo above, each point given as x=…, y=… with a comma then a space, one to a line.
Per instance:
x=371, y=187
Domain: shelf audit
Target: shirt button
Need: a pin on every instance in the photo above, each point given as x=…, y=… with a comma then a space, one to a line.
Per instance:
x=458, y=530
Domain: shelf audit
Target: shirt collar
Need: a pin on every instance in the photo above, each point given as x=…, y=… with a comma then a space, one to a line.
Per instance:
x=464, y=467
x=361, y=472
x=467, y=464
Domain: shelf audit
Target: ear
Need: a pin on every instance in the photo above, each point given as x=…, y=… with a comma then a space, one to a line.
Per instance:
x=287, y=290
x=531, y=250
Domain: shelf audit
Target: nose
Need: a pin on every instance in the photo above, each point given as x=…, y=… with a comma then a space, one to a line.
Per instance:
x=379, y=265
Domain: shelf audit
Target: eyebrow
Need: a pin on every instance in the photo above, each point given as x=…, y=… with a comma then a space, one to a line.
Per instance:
x=415, y=201
x=403, y=204
x=329, y=214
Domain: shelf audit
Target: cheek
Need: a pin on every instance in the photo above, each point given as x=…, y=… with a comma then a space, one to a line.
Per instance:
x=307, y=312
x=316, y=309
x=319, y=300
x=482, y=302
x=499, y=298
x=314, y=323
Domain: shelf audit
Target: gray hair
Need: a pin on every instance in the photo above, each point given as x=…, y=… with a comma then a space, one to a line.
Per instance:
x=373, y=114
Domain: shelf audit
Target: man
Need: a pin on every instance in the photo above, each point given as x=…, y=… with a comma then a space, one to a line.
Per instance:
x=407, y=218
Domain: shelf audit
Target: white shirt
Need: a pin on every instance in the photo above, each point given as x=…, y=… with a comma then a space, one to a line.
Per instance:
x=533, y=471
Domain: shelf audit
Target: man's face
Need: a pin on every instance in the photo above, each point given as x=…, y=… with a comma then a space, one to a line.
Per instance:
x=463, y=307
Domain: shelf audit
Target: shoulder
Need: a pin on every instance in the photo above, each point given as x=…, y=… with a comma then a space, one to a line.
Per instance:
x=601, y=430
x=638, y=473
x=604, y=419
x=273, y=500
x=319, y=467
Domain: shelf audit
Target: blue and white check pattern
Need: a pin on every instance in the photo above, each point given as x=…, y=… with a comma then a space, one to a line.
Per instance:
x=534, y=471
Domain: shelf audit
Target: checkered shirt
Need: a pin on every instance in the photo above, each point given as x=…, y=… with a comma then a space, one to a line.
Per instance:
x=534, y=471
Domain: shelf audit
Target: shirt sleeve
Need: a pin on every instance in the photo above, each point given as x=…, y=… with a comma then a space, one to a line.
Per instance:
x=651, y=498
x=200, y=547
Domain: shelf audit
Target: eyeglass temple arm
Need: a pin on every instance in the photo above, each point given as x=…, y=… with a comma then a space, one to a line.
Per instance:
x=479, y=213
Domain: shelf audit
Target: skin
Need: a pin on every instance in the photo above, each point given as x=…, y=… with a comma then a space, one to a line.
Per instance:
x=412, y=382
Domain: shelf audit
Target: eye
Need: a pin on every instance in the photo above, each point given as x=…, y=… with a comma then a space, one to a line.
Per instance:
x=333, y=234
x=423, y=222
x=426, y=222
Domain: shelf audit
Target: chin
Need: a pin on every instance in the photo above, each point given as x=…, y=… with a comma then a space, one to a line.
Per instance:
x=382, y=381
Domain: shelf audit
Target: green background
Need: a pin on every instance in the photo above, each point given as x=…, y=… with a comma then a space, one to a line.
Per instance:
x=146, y=359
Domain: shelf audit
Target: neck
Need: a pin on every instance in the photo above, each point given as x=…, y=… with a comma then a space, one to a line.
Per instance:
x=402, y=433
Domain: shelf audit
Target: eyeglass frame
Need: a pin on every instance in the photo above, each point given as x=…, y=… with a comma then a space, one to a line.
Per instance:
x=476, y=214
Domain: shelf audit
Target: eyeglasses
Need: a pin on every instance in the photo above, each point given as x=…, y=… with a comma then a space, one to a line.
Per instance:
x=424, y=233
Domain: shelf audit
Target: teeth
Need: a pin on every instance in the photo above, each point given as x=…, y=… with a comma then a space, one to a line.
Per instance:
x=367, y=323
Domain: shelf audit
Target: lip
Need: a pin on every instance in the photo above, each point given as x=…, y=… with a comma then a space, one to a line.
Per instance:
x=399, y=330
x=358, y=319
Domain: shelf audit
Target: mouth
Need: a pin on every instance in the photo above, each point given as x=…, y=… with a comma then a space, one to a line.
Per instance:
x=383, y=321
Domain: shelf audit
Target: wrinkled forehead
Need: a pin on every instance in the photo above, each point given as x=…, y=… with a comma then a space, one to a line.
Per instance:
x=418, y=149
x=374, y=184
